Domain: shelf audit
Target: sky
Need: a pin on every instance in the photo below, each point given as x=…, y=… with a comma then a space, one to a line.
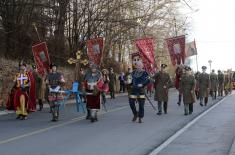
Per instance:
x=213, y=27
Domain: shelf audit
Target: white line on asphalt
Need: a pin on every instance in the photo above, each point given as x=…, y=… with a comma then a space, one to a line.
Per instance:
x=55, y=126
x=179, y=132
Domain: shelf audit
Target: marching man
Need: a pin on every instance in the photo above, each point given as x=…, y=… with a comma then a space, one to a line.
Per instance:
x=55, y=81
x=162, y=84
x=204, y=86
x=93, y=79
x=140, y=78
x=24, y=98
x=187, y=87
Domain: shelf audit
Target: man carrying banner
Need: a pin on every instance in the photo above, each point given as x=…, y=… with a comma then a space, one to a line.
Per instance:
x=178, y=75
x=92, y=79
x=39, y=89
x=24, y=98
x=220, y=83
x=187, y=87
x=140, y=78
x=162, y=84
x=214, y=84
x=204, y=86
x=112, y=83
x=55, y=81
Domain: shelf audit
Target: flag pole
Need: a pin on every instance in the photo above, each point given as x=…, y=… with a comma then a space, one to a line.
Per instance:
x=196, y=54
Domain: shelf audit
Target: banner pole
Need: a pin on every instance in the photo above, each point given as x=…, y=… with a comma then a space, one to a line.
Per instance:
x=196, y=54
x=36, y=31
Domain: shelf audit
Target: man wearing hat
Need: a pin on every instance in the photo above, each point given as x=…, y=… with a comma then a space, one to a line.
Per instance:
x=220, y=83
x=214, y=84
x=162, y=84
x=39, y=90
x=178, y=75
x=187, y=87
x=204, y=86
x=92, y=79
x=55, y=81
x=140, y=79
x=24, y=98
x=112, y=83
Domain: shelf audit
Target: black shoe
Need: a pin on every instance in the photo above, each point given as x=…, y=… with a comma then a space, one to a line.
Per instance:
x=185, y=114
x=201, y=104
x=134, y=118
x=92, y=120
x=96, y=119
x=88, y=117
x=18, y=117
x=24, y=118
x=190, y=113
x=140, y=120
x=165, y=112
x=178, y=103
x=205, y=104
x=159, y=113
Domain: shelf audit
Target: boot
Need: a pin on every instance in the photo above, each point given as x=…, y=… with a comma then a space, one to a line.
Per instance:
x=18, y=117
x=165, y=107
x=134, y=118
x=179, y=102
x=206, y=101
x=88, y=114
x=40, y=104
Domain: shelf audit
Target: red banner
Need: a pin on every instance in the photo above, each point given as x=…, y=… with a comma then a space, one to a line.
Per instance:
x=176, y=48
x=95, y=50
x=41, y=57
x=146, y=51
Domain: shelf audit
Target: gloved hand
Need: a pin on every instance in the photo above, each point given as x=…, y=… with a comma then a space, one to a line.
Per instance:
x=140, y=85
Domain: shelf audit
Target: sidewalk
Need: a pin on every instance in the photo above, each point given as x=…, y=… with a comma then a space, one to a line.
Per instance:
x=213, y=134
x=70, y=101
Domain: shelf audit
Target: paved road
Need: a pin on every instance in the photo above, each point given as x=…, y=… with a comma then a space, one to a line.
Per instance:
x=213, y=134
x=114, y=134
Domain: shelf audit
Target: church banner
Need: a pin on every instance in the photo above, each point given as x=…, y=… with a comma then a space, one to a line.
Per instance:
x=146, y=52
x=176, y=48
x=41, y=57
x=95, y=50
x=191, y=49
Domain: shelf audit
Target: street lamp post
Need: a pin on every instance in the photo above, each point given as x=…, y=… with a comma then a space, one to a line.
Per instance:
x=210, y=61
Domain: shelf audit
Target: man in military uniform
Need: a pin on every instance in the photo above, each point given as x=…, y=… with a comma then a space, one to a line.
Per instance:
x=204, y=86
x=187, y=87
x=197, y=74
x=214, y=84
x=140, y=78
x=178, y=75
x=220, y=83
x=162, y=84
x=112, y=83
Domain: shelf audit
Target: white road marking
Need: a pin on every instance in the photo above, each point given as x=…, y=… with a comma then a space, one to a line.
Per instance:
x=55, y=126
x=182, y=130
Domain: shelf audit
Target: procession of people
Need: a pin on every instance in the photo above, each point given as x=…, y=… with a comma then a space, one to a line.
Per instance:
x=96, y=83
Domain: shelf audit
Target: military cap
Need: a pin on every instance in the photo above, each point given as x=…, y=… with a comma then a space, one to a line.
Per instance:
x=204, y=67
x=163, y=65
x=187, y=68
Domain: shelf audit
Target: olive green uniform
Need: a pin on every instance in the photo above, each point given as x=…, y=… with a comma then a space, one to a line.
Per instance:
x=187, y=87
x=162, y=84
x=214, y=84
x=204, y=85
